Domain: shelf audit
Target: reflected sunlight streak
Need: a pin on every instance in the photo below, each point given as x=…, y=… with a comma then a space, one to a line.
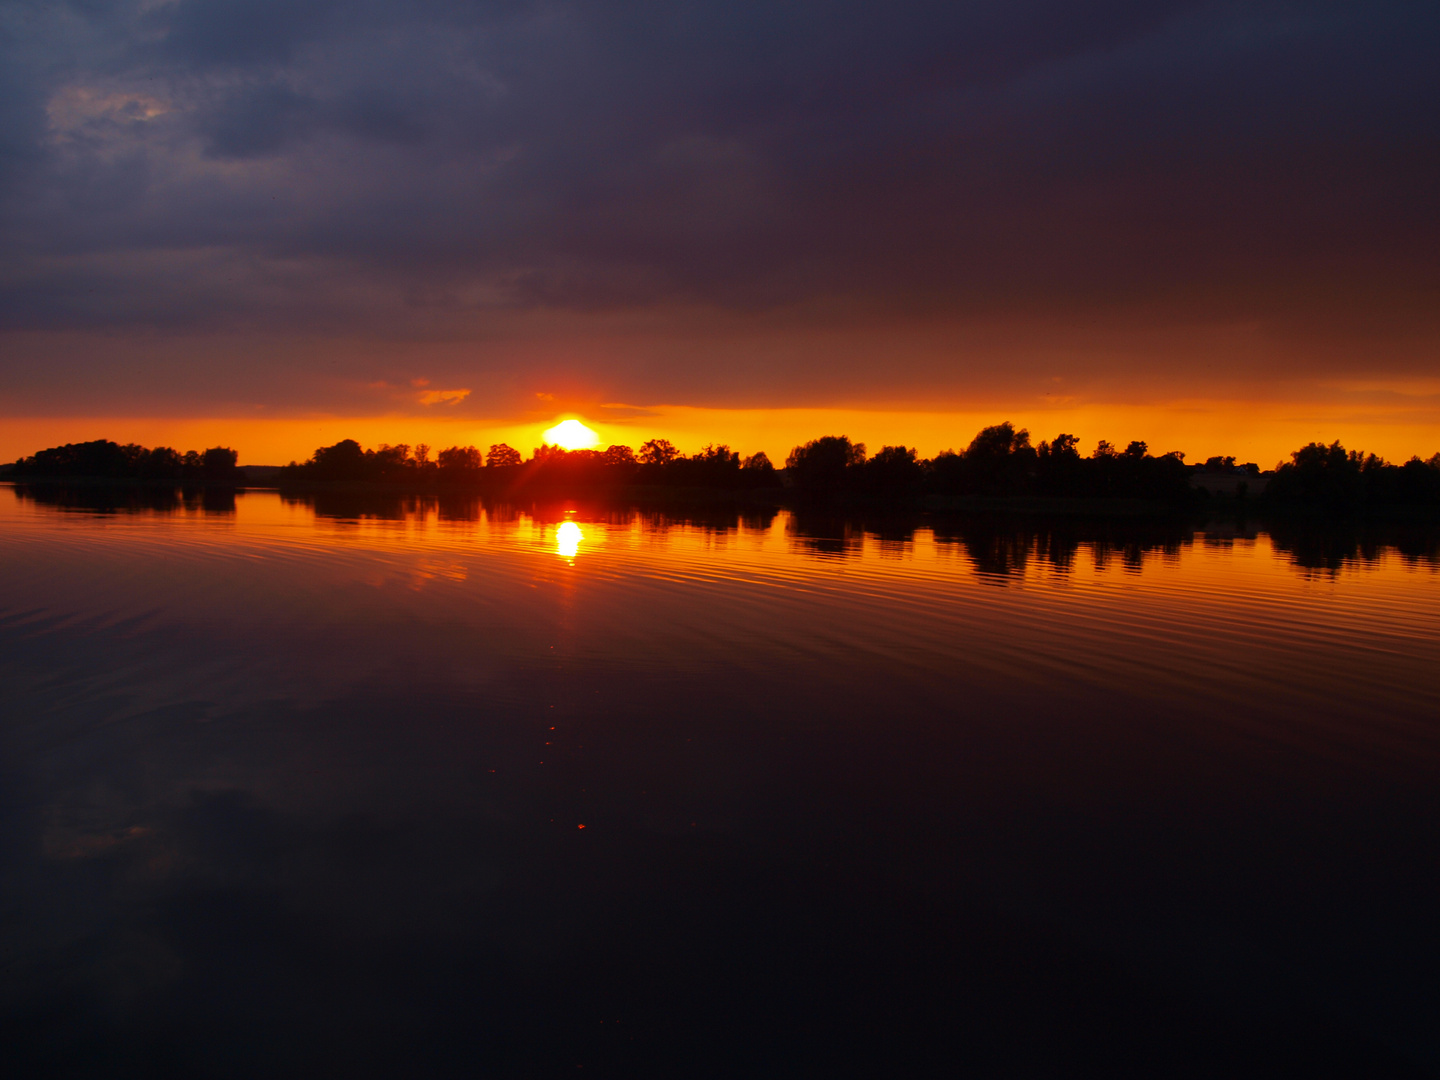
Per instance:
x=567, y=539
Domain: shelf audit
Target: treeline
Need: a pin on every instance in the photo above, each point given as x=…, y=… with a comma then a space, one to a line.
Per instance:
x=1333, y=479
x=657, y=463
x=999, y=463
x=105, y=460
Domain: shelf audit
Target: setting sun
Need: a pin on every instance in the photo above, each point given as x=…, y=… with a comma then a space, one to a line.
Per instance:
x=572, y=435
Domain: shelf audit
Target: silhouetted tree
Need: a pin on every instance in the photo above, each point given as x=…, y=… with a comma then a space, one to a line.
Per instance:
x=101, y=459
x=713, y=466
x=998, y=461
x=502, y=456
x=1320, y=476
x=619, y=455
x=657, y=452
x=458, y=462
x=756, y=471
x=1340, y=481
x=545, y=454
x=162, y=463
x=217, y=465
x=1001, y=460
x=1058, y=466
x=105, y=460
x=1418, y=482
x=1065, y=446
x=895, y=473
x=825, y=466
x=343, y=461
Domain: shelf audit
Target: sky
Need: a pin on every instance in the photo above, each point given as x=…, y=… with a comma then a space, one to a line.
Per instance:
x=277, y=223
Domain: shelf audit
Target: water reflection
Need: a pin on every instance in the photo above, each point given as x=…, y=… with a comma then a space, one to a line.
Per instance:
x=129, y=498
x=567, y=539
x=999, y=549
x=380, y=506
x=298, y=787
x=1002, y=549
x=1325, y=548
x=825, y=536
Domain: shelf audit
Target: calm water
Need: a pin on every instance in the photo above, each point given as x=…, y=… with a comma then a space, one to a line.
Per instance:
x=429, y=789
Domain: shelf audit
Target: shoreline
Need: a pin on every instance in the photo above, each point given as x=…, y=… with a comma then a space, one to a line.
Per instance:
x=1204, y=506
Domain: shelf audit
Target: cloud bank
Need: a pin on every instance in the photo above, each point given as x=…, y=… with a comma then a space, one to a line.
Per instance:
x=281, y=203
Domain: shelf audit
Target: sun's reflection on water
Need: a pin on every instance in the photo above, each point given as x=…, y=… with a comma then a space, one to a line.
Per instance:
x=567, y=539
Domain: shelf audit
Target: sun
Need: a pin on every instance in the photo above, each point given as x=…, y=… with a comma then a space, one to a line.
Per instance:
x=572, y=435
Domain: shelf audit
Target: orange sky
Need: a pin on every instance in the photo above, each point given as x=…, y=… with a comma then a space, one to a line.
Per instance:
x=1262, y=432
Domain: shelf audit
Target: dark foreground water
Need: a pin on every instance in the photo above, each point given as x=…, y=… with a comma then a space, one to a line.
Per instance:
x=417, y=789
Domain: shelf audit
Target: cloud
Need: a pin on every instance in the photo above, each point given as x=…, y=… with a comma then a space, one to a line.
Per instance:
x=620, y=198
x=74, y=108
x=442, y=397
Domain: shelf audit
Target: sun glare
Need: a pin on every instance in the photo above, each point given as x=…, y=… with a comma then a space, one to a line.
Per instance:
x=567, y=539
x=572, y=435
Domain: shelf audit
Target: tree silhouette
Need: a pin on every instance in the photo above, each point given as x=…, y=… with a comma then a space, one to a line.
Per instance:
x=162, y=463
x=99, y=459
x=1064, y=446
x=106, y=460
x=823, y=466
x=714, y=466
x=457, y=461
x=343, y=461
x=546, y=453
x=999, y=461
x=1058, y=466
x=1323, y=476
x=895, y=472
x=217, y=465
x=757, y=471
x=657, y=452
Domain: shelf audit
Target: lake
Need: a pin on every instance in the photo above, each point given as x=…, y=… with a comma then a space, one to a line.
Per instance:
x=346, y=786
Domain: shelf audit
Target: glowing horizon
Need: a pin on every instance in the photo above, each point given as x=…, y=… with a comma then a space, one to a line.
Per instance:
x=571, y=434
x=1265, y=433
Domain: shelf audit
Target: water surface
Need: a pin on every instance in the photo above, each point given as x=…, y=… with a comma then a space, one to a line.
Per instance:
x=407, y=786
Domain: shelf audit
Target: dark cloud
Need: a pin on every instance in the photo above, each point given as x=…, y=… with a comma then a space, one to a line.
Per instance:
x=219, y=34
x=421, y=170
